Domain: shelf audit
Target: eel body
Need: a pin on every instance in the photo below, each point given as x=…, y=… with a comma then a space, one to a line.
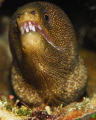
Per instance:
x=47, y=67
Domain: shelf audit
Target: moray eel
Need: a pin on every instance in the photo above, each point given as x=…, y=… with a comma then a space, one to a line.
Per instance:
x=47, y=68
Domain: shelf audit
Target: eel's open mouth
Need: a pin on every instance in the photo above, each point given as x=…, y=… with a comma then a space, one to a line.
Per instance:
x=35, y=27
x=31, y=26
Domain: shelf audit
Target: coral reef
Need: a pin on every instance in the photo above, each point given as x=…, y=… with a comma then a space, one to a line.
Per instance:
x=75, y=111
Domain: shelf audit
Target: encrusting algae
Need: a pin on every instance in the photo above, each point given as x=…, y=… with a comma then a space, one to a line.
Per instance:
x=75, y=111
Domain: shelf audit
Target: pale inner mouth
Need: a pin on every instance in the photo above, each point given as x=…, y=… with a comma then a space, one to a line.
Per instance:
x=35, y=27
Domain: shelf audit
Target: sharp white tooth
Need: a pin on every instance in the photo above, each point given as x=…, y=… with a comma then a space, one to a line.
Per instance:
x=39, y=27
x=27, y=30
x=33, y=28
x=29, y=23
x=30, y=27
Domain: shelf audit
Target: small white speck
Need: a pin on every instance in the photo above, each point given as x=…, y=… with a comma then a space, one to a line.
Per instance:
x=47, y=108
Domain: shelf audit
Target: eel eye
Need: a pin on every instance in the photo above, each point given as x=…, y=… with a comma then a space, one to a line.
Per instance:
x=46, y=16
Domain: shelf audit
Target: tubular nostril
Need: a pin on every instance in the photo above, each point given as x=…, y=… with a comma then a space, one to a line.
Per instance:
x=19, y=15
x=33, y=12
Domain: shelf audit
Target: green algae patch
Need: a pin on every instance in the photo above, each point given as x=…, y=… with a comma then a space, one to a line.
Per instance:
x=22, y=111
x=18, y=111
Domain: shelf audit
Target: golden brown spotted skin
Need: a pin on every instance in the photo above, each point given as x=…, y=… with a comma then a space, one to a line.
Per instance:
x=47, y=67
